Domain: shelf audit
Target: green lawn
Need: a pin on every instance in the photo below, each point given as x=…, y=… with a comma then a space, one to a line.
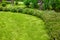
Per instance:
x=16, y=26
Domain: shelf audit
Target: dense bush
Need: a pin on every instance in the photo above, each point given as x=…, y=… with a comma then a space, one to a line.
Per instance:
x=34, y=4
x=3, y=4
x=27, y=3
x=51, y=4
x=31, y=3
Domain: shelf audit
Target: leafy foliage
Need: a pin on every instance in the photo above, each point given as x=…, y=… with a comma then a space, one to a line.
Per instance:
x=31, y=3
x=3, y=4
x=51, y=4
x=34, y=4
x=27, y=3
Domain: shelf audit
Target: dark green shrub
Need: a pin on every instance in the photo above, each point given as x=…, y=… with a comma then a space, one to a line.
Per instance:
x=56, y=5
x=3, y=4
x=34, y=4
x=27, y=3
x=51, y=4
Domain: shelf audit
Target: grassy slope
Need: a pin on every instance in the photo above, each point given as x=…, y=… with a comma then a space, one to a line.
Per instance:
x=21, y=27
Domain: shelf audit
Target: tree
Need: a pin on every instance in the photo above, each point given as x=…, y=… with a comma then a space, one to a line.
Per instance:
x=12, y=1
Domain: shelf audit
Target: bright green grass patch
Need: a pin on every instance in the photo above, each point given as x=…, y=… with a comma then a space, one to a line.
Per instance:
x=20, y=4
x=21, y=27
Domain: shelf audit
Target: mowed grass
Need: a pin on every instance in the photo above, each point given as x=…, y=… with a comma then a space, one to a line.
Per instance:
x=16, y=26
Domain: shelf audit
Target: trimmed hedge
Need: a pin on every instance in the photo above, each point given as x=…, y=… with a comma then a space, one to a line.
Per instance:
x=23, y=10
